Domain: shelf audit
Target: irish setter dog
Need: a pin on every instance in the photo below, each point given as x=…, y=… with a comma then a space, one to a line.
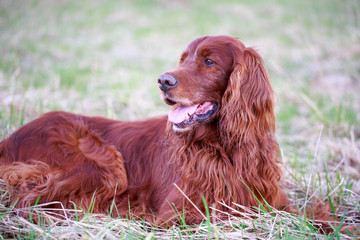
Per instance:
x=217, y=143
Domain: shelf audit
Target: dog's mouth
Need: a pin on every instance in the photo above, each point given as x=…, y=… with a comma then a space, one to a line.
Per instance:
x=185, y=116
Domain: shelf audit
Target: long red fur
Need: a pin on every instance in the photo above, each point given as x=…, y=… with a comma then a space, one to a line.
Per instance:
x=231, y=158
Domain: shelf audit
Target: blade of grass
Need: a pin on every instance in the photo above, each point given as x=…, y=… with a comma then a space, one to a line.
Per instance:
x=92, y=204
x=3, y=214
x=76, y=212
x=190, y=201
x=208, y=222
x=314, y=107
x=262, y=207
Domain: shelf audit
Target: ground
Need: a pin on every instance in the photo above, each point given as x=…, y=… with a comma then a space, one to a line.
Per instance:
x=104, y=57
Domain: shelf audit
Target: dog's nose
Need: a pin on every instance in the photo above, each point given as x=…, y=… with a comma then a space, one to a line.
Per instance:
x=167, y=81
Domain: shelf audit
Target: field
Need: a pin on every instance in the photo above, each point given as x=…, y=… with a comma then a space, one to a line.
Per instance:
x=104, y=57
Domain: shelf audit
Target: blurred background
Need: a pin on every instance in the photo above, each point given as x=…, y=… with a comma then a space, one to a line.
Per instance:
x=104, y=57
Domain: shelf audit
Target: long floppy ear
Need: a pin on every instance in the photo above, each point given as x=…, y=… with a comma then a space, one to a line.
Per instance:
x=248, y=101
x=247, y=126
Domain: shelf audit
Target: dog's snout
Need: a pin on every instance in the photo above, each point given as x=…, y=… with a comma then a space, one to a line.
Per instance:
x=167, y=81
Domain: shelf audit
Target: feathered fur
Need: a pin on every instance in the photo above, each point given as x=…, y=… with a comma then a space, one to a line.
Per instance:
x=231, y=157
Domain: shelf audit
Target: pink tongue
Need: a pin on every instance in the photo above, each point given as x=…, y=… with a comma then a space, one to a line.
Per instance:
x=181, y=113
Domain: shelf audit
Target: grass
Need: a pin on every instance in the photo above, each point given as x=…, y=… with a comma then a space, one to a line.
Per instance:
x=103, y=58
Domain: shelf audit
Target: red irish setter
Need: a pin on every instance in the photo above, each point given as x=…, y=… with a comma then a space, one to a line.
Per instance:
x=216, y=143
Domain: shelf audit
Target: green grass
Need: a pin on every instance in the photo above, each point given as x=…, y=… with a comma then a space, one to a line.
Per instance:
x=104, y=57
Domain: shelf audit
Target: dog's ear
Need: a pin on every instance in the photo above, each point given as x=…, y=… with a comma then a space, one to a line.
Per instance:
x=248, y=101
x=247, y=126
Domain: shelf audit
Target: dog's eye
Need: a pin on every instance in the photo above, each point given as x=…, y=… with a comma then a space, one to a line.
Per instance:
x=209, y=62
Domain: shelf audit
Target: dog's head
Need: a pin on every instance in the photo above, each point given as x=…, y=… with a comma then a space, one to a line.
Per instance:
x=218, y=79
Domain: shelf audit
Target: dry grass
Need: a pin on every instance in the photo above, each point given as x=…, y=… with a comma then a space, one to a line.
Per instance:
x=91, y=226
x=103, y=58
x=69, y=225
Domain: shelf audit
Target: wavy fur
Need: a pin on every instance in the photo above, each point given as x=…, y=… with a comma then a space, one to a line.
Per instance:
x=230, y=157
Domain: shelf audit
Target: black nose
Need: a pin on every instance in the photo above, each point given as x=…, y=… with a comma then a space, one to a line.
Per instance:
x=167, y=81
